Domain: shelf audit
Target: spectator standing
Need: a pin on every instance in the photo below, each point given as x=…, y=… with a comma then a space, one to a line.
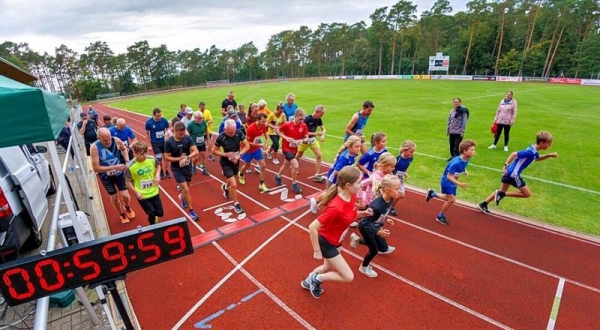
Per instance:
x=505, y=118
x=456, y=127
x=88, y=128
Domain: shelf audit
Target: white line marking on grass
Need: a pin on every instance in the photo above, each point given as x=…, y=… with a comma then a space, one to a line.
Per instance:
x=238, y=266
x=556, y=304
x=501, y=94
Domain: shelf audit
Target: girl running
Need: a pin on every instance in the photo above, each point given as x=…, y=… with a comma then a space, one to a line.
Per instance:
x=371, y=227
x=327, y=232
x=368, y=187
x=367, y=161
x=407, y=149
x=346, y=156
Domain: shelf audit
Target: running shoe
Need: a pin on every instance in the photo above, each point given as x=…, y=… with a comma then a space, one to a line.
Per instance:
x=123, y=218
x=498, y=195
x=182, y=201
x=315, y=286
x=238, y=208
x=442, y=219
x=368, y=270
x=296, y=188
x=483, y=207
x=313, y=205
x=430, y=194
x=168, y=175
x=194, y=215
x=241, y=179
x=278, y=180
x=354, y=240
x=130, y=214
x=225, y=190
x=389, y=250
x=276, y=161
x=263, y=187
x=319, y=178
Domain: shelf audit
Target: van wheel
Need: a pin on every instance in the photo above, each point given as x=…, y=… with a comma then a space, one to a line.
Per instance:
x=52, y=189
x=35, y=239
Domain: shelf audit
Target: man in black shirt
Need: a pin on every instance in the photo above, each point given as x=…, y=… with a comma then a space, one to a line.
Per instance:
x=179, y=150
x=313, y=122
x=88, y=128
x=230, y=100
x=234, y=143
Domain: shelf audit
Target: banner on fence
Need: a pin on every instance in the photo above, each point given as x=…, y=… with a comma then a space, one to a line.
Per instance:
x=573, y=81
x=509, y=79
x=461, y=77
x=487, y=78
x=421, y=77
x=590, y=82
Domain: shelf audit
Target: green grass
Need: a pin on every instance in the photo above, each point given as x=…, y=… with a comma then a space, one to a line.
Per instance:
x=417, y=110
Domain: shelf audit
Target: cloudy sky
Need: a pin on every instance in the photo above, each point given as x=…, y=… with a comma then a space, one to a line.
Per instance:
x=180, y=24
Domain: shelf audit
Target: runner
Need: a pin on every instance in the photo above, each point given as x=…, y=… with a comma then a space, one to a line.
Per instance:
x=257, y=133
x=292, y=133
x=109, y=157
x=143, y=177
x=234, y=143
x=358, y=122
x=313, y=122
x=199, y=133
x=179, y=150
x=156, y=127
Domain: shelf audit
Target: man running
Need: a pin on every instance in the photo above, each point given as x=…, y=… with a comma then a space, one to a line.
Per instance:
x=358, y=122
x=257, y=139
x=292, y=133
x=313, y=122
x=179, y=150
x=156, y=128
x=234, y=143
x=109, y=157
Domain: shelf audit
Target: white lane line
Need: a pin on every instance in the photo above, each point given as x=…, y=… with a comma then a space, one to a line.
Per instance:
x=238, y=266
x=556, y=304
x=493, y=254
x=217, y=206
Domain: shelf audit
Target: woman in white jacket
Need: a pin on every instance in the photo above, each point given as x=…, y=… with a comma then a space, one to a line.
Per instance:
x=505, y=118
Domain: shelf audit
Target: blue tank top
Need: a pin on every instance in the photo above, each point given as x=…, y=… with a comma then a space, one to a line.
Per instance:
x=359, y=126
x=109, y=156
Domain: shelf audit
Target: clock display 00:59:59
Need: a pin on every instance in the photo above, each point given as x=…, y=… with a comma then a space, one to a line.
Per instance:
x=104, y=258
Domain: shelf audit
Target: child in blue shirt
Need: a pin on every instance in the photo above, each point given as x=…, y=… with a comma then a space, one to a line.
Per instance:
x=449, y=181
x=346, y=157
x=367, y=161
x=516, y=163
x=405, y=158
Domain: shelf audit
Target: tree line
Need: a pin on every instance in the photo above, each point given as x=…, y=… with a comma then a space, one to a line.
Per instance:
x=541, y=38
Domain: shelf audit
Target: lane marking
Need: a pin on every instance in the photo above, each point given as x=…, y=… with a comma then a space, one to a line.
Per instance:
x=203, y=324
x=217, y=206
x=239, y=266
x=556, y=304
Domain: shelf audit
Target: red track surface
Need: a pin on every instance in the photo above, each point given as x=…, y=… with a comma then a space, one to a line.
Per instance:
x=482, y=271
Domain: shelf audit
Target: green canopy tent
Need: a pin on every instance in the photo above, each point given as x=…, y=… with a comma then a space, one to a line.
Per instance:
x=29, y=114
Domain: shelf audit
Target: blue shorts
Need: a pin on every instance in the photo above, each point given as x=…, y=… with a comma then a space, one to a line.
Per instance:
x=448, y=188
x=249, y=156
x=517, y=182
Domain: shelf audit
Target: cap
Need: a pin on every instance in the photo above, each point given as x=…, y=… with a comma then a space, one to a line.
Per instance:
x=189, y=111
x=231, y=113
x=83, y=114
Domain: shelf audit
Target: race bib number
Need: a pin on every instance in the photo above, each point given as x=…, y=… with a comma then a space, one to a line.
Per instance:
x=145, y=184
x=311, y=140
x=160, y=134
x=113, y=173
x=200, y=139
x=258, y=141
x=294, y=143
x=359, y=132
x=400, y=176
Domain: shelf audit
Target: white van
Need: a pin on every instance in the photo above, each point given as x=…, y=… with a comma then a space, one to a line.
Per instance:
x=25, y=180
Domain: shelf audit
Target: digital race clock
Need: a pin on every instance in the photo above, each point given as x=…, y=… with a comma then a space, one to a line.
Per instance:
x=38, y=276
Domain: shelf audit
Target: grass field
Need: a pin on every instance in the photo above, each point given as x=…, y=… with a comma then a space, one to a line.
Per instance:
x=566, y=192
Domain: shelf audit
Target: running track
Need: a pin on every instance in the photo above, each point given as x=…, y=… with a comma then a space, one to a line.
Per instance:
x=481, y=272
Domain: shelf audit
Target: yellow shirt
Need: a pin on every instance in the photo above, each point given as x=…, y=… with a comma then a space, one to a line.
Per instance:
x=274, y=120
x=265, y=110
x=208, y=119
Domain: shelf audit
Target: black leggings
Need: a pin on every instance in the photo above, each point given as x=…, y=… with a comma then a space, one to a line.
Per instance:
x=153, y=208
x=275, y=145
x=455, y=140
x=375, y=244
x=506, y=134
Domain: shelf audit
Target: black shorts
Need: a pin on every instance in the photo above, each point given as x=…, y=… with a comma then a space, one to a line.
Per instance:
x=229, y=168
x=158, y=148
x=201, y=147
x=182, y=174
x=328, y=251
x=112, y=183
x=289, y=155
x=517, y=182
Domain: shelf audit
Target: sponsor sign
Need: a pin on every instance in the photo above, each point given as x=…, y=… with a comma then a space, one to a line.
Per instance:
x=510, y=79
x=573, y=81
x=590, y=82
x=487, y=78
x=439, y=62
x=461, y=77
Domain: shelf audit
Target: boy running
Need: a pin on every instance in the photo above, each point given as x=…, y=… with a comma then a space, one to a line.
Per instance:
x=143, y=177
x=516, y=163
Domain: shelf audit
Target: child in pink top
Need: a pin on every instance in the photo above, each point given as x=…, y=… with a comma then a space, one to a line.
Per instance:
x=368, y=187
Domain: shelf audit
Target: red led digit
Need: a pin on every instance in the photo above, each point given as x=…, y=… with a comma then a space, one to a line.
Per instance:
x=174, y=235
x=24, y=276
x=60, y=279
x=87, y=264
x=111, y=256
x=152, y=247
